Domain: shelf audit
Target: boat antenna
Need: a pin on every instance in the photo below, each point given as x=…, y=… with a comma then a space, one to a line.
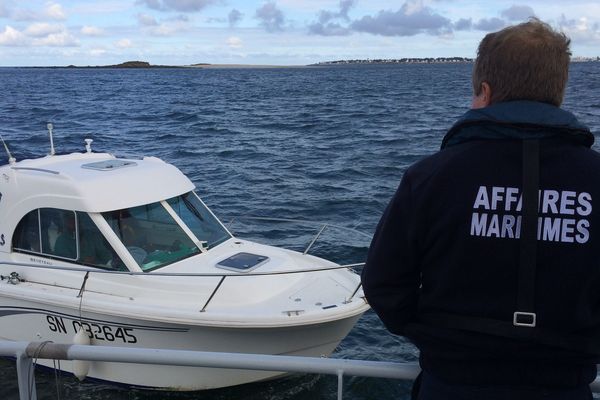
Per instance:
x=11, y=159
x=50, y=127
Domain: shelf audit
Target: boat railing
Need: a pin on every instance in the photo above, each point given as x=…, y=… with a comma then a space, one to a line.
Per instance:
x=314, y=231
x=27, y=354
x=15, y=278
x=221, y=275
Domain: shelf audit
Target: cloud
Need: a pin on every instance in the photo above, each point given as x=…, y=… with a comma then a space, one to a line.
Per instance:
x=489, y=24
x=52, y=11
x=60, y=39
x=580, y=24
x=21, y=14
x=323, y=26
x=55, y=11
x=97, y=51
x=42, y=29
x=147, y=20
x=124, y=44
x=177, y=5
x=518, y=13
x=91, y=31
x=38, y=34
x=216, y=20
x=12, y=37
x=234, y=17
x=345, y=6
x=166, y=26
x=171, y=26
x=328, y=29
x=580, y=30
x=412, y=18
x=463, y=24
x=271, y=18
x=234, y=42
x=4, y=12
x=153, y=4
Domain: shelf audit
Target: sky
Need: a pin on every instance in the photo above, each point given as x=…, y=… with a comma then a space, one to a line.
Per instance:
x=271, y=32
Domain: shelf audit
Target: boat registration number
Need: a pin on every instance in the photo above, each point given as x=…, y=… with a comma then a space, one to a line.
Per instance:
x=94, y=331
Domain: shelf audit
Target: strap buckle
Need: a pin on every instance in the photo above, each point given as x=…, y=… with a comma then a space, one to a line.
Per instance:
x=526, y=319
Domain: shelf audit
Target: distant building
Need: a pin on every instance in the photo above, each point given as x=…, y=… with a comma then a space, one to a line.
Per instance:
x=427, y=60
x=584, y=59
x=424, y=60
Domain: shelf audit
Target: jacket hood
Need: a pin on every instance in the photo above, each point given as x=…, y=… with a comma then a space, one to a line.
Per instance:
x=521, y=119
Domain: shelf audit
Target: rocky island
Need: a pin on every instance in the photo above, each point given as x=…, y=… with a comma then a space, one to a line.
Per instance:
x=126, y=64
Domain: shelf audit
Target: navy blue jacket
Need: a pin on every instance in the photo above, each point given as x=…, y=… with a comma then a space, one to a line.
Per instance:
x=448, y=244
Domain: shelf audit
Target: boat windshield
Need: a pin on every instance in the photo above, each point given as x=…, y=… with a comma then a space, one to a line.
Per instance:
x=199, y=219
x=155, y=239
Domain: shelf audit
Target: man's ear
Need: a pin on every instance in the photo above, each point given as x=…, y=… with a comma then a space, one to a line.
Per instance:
x=486, y=91
x=483, y=99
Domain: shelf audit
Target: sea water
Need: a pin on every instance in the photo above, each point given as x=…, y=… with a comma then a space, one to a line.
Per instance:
x=321, y=144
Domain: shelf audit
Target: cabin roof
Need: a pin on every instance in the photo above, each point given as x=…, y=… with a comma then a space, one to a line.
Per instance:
x=92, y=182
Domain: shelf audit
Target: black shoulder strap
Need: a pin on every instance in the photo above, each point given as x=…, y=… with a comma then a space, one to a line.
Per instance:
x=524, y=315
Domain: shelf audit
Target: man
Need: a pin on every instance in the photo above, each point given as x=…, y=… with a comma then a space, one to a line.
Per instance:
x=488, y=255
x=66, y=245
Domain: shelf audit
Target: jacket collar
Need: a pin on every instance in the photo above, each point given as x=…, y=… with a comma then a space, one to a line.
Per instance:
x=520, y=119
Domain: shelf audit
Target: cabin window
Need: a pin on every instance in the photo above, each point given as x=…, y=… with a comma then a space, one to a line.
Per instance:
x=66, y=235
x=27, y=235
x=199, y=219
x=94, y=249
x=59, y=233
x=151, y=235
x=48, y=231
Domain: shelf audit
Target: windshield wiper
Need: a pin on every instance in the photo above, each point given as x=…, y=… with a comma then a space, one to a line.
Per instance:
x=192, y=209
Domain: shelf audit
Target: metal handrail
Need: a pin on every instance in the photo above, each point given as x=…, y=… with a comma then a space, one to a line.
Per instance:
x=25, y=352
x=49, y=171
x=186, y=274
x=298, y=221
x=173, y=274
x=301, y=222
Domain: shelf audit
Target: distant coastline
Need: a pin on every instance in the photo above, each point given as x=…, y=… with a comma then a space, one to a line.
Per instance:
x=413, y=60
x=146, y=65
x=368, y=61
x=425, y=60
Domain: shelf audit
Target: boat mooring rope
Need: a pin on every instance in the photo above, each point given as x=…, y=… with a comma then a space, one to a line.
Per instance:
x=31, y=375
x=80, y=294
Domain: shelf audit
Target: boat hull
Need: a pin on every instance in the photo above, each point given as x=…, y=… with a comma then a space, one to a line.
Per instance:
x=30, y=321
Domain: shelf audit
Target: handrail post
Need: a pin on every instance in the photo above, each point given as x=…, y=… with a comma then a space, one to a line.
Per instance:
x=340, y=375
x=230, y=224
x=26, y=377
x=353, y=293
x=315, y=239
x=213, y=293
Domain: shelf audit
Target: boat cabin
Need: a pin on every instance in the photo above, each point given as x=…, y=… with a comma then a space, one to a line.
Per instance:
x=96, y=210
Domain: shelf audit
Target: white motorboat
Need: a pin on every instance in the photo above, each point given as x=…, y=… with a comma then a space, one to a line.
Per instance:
x=124, y=252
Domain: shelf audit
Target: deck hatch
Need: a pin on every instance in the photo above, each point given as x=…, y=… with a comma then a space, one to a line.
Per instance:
x=242, y=262
x=109, y=165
